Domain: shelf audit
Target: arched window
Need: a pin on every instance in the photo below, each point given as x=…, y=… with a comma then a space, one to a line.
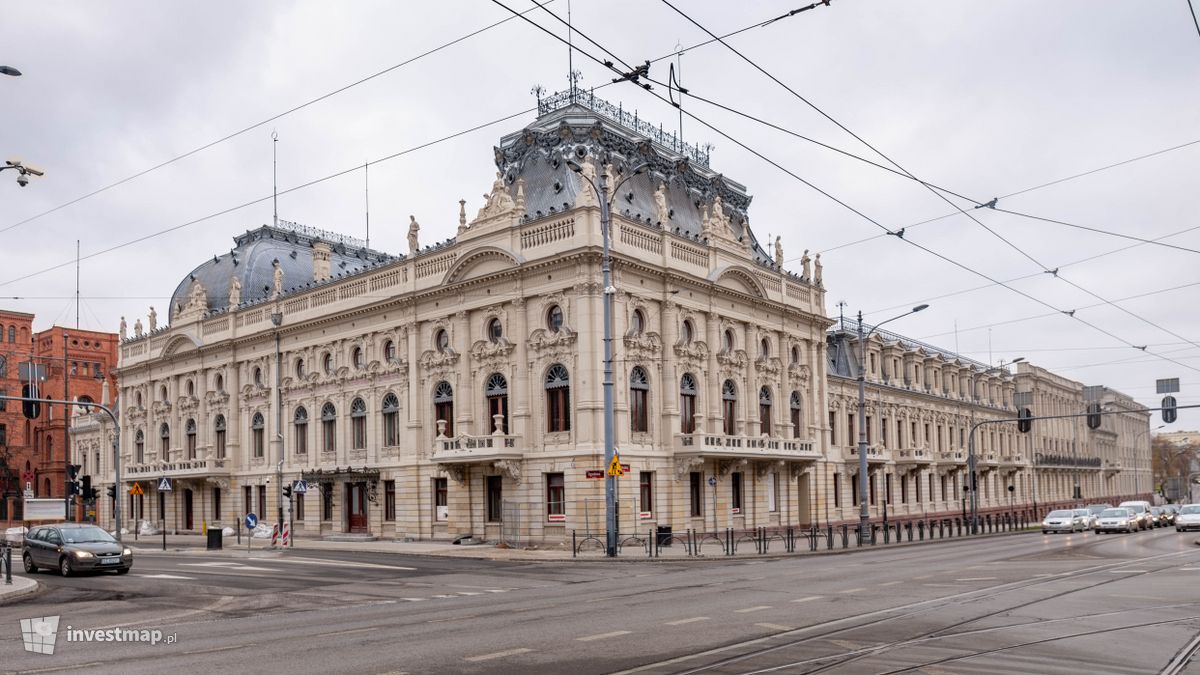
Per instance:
x=301, y=371
x=190, y=388
x=391, y=420
x=764, y=348
x=189, y=430
x=639, y=394
x=359, y=358
x=797, y=413
x=389, y=351
x=728, y=342
x=258, y=378
x=764, y=411
x=496, y=393
x=220, y=382
x=300, y=430
x=637, y=322
x=12, y=337
x=358, y=424
x=2, y=333
x=139, y=447
x=558, y=399
x=162, y=393
x=442, y=340
x=688, y=332
x=687, y=404
x=554, y=318
x=443, y=406
x=327, y=363
x=258, y=427
x=495, y=330
x=729, y=407
x=219, y=428
x=328, y=428
x=164, y=436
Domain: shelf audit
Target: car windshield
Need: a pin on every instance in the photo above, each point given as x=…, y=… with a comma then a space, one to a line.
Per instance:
x=1060, y=514
x=1190, y=508
x=1114, y=513
x=1136, y=508
x=1083, y=512
x=86, y=535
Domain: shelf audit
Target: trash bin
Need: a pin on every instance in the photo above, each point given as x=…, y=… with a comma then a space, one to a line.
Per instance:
x=664, y=535
x=214, y=539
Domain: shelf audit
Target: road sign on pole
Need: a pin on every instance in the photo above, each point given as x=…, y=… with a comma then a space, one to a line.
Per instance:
x=300, y=486
x=251, y=521
x=614, y=467
x=137, y=490
x=164, y=484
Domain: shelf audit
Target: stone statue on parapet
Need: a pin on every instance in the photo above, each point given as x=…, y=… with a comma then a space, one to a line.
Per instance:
x=778, y=252
x=235, y=291
x=414, y=231
x=817, y=270
x=137, y=328
x=277, y=280
x=662, y=213
x=124, y=328
x=153, y=319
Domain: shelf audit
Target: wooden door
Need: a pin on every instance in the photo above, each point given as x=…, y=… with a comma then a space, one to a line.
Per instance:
x=187, y=509
x=356, y=507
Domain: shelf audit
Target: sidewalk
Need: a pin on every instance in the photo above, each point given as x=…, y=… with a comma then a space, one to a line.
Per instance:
x=21, y=586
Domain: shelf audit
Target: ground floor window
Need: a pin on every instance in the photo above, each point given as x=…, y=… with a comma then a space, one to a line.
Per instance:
x=326, y=501
x=247, y=499
x=697, y=494
x=299, y=510
x=494, y=497
x=216, y=504
x=441, y=509
x=262, y=502
x=389, y=500
x=646, y=491
x=555, y=495
x=735, y=484
x=772, y=492
x=837, y=490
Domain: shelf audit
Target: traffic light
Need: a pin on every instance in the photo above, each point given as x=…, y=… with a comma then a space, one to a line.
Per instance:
x=112, y=492
x=86, y=487
x=93, y=494
x=1093, y=415
x=73, y=471
x=1169, y=414
x=31, y=409
x=1024, y=420
x=287, y=492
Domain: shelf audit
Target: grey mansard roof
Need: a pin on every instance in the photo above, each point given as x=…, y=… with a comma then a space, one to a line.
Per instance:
x=584, y=127
x=252, y=257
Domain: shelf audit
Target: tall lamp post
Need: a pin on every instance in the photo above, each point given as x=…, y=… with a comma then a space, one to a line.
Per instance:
x=972, y=485
x=1137, y=471
x=864, y=515
x=610, y=484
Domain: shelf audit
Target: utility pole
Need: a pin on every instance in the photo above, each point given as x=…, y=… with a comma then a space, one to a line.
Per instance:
x=68, y=483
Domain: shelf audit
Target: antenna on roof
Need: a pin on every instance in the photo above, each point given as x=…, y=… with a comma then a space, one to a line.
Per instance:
x=367, y=198
x=570, y=54
x=275, y=176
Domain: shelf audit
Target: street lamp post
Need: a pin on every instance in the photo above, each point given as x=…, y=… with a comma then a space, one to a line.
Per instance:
x=864, y=514
x=610, y=484
x=973, y=485
x=1137, y=472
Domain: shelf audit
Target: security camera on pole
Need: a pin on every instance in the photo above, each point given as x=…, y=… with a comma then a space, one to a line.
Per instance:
x=864, y=516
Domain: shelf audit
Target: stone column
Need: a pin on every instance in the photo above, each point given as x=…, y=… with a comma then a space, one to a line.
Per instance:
x=667, y=385
x=749, y=424
x=466, y=398
x=713, y=381
x=520, y=397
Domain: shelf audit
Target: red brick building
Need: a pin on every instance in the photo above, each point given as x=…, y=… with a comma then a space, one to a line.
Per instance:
x=73, y=365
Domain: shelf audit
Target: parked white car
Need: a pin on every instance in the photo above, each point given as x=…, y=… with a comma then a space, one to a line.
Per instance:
x=1188, y=518
x=1118, y=520
x=1064, y=520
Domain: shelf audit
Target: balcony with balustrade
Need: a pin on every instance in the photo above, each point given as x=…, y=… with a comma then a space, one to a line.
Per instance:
x=874, y=455
x=473, y=449
x=914, y=456
x=715, y=446
x=184, y=468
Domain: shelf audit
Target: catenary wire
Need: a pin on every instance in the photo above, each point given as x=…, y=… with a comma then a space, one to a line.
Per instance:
x=936, y=254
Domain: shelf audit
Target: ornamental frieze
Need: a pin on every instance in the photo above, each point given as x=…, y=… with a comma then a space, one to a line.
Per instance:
x=644, y=347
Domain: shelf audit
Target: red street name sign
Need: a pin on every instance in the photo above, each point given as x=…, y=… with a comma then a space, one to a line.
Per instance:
x=595, y=474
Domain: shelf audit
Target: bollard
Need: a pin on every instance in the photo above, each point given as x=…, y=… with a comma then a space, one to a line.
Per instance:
x=574, y=547
x=921, y=530
x=908, y=526
x=7, y=565
x=845, y=536
x=942, y=528
x=651, y=543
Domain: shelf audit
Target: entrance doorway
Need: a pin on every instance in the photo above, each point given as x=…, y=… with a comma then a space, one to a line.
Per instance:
x=356, y=507
x=187, y=510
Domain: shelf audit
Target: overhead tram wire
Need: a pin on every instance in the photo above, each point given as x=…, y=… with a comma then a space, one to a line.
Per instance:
x=357, y=167
x=900, y=233
x=851, y=208
x=256, y=125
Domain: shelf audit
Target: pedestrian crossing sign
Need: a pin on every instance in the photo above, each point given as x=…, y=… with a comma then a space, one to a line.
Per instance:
x=164, y=484
x=614, y=467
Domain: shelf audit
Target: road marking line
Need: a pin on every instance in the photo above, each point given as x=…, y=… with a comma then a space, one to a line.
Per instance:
x=851, y=590
x=977, y=579
x=497, y=655
x=811, y=597
x=58, y=668
x=1189, y=569
x=338, y=563
x=469, y=593
x=747, y=610
x=220, y=649
x=211, y=564
x=413, y=599
x=601, y=636
x=892, y=583
x=694, y=619
x=161, y=576
x=773, y=626
x=1125, y=571
x=497, y=590
x=926, y=576
x=345, y=632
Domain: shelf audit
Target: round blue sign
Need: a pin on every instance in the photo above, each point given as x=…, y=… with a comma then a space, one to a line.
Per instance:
x=251, y=521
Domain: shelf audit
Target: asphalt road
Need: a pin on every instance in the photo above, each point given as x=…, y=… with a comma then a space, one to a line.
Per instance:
x=1015, y=604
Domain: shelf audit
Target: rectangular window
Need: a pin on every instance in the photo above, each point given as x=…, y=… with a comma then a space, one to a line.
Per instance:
x=851, y=430
x=697, y=494
x=735, y=485
x=904, y=489
x=729, y=416
x=883, y=426
x=326, y=501
x=358, y=430
x=927, y=434
x=443, y=411
x=639, y=415
x=301, y=440
x=687, y=414
x=887, y=488
x=832, y=428
x=558, y=409
x=329, y=434
x=3, y=435
x=216, y=504
x=258, y=442
x=556, y=495
x=837, y=490
x=912, y=436
x=772, y=492
x=298, y=511
x=262, y=502
x=494, y=498
x=868, y=421
x=247, y=499
x=441, y=504
x=871, y=488
x=220, y=446
x=646, y=491
x=389, y=500
x=191, y=446
x=391, y=428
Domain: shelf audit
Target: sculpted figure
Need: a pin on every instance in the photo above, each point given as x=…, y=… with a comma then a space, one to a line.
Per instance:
x=805, y=265
x=663, y=214
x=153, y=319
x=277, y=280
x=817, y=270
x=124, y=327
x=778, y=253
x=235, y=291
x=137, y=328
x=414, y=229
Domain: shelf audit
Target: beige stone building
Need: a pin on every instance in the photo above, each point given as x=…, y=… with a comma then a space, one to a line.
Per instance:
x=458, y=389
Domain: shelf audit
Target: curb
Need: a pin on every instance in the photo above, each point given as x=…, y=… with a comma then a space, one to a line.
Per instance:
x=12, y=596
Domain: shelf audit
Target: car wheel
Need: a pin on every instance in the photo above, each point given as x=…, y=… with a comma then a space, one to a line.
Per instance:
x=123, y=570
x=1045, y=531
x=64, y=566
x=1178, y=529
x=30, y=568
x=1097, y=531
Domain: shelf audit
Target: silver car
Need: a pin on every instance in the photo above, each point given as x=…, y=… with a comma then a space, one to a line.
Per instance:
x=1118, y=520
x=74, y=547
x=1188, y=518
x=1089, y=519
x=1064, y=520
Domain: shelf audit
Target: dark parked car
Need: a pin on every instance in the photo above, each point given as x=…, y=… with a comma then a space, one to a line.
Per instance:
x=72, y=547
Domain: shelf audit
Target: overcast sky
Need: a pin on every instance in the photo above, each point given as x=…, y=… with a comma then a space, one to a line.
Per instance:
x=984, y=99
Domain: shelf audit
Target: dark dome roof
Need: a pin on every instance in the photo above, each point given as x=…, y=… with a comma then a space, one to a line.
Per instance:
x=252, y=261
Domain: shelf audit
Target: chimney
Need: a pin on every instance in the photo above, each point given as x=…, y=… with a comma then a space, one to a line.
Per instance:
x=321, y=253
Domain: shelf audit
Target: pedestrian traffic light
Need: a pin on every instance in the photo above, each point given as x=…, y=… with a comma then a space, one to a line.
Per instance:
x=73, y=471
x=1024, y=420
x=30, y=408
x=112, y=492
x=1093, y=415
